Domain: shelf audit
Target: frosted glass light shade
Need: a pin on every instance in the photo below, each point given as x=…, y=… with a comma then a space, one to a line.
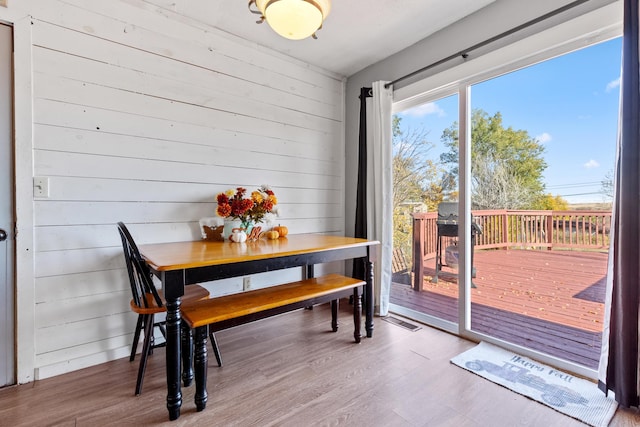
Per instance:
x=294, y=19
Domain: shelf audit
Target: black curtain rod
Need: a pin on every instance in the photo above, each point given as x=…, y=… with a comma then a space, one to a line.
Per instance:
x=465, y=53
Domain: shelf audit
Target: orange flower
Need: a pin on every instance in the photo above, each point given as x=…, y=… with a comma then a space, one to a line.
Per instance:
x=224, y=210
x=252, y=209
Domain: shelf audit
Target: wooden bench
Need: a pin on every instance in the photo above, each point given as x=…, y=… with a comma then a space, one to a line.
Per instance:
x=236, y=309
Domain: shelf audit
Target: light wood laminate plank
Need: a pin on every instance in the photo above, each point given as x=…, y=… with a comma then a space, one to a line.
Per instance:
x=290, y=371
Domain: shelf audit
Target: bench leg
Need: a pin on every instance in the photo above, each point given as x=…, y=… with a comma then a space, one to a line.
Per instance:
x=357, y=315
x=334, y=315
x=200, y=365
x=186, y=344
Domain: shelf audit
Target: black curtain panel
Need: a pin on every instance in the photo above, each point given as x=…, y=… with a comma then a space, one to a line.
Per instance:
x=621, y=374
x=361, y=195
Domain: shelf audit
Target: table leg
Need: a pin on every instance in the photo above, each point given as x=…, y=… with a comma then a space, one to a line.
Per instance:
x=369, y=303
x=309, y=274
x=174, y=394
x=357, y=315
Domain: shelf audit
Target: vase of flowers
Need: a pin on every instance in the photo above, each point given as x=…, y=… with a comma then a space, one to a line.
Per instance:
x=243, y=211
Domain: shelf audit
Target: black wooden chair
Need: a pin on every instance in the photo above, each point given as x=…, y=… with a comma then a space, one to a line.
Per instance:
x=146, y=302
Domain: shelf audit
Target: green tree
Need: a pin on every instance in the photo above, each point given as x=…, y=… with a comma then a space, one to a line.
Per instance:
x=506, y=159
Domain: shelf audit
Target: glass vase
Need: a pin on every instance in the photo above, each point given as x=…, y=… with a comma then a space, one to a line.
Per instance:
x=247, y=226
x=229, y=225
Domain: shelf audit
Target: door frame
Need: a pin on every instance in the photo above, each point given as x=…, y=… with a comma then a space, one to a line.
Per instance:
x=7, y=252
x=24, y=273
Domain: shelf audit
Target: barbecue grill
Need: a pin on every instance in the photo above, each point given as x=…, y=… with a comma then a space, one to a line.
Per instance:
x=447, y=226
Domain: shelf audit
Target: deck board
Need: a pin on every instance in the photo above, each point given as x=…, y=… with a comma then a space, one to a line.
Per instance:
x=550, y=301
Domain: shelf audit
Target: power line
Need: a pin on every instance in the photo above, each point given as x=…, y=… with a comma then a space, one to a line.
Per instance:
x=583, y=194
x=579, y=184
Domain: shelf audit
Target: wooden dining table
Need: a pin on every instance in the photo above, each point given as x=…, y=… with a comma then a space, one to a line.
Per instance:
x=178, y=264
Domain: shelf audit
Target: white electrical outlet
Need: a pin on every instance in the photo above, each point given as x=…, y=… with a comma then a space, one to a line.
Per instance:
x=40, y=186
x=246, y=283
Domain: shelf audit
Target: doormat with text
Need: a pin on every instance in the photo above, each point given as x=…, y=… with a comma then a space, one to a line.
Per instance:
x=570, y=395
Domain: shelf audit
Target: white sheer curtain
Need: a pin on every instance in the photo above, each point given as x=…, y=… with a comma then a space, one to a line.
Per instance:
x=379, y=189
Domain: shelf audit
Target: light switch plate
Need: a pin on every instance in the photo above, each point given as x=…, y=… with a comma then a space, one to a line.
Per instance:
x=41, y=186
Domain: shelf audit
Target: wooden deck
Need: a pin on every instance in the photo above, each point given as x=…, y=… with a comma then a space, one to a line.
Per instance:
x=550, y=301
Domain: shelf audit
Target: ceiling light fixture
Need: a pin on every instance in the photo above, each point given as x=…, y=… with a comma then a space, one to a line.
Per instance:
x=292, y=19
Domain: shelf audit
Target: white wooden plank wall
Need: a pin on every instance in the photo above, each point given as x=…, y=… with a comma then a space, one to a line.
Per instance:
x=143, y=117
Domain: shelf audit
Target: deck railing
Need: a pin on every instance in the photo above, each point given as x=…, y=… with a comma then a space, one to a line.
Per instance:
x=517, y=229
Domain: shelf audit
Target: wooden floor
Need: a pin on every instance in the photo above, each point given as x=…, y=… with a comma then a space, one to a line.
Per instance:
x=290, y=371
x=550, y=301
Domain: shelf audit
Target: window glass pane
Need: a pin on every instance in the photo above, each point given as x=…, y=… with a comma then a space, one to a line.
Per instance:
x=421, y=182
x=543, y=148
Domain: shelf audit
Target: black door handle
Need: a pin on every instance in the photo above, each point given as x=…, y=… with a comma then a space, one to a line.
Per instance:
x=3, y=235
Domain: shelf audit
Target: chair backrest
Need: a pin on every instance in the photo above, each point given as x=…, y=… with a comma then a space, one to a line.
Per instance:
x=448, y=213
x=140, y=277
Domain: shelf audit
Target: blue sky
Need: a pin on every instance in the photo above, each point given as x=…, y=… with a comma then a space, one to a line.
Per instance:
x=569, y=103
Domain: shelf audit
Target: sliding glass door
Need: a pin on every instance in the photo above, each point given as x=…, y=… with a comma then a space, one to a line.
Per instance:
x=527, y=158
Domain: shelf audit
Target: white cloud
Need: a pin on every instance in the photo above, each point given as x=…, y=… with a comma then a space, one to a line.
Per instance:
x=543, y=137
x=424, y=110
x=591, y=164
x=613, y=85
